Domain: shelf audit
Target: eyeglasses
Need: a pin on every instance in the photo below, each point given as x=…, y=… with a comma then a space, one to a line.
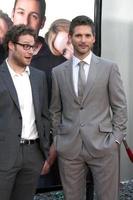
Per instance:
x=26, y=46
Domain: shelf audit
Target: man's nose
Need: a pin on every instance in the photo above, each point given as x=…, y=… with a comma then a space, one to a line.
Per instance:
x=83, y=39
x=25, y=20
x=31, y=51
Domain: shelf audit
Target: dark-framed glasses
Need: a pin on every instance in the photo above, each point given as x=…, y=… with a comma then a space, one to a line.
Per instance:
x=26, y=46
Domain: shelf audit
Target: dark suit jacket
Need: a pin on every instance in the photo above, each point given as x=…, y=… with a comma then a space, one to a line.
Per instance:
x=11, y=119
x=3, y=54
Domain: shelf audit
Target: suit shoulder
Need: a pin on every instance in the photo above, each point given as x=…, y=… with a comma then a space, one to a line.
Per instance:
x=106, y=61
x=37, y=71
x=3, y=64
x=106, y=64
x=62, y=66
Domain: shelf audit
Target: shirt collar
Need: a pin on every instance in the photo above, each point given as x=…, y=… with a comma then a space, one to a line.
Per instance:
x=13, y=73
x=87, y=59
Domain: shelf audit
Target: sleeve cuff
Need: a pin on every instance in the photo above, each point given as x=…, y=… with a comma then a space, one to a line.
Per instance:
x=117, y=141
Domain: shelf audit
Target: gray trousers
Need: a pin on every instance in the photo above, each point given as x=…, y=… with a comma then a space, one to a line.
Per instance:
x=105, y=172
x=20, y=182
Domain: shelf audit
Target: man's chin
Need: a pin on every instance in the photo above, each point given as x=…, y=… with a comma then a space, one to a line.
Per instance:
x=27, y=61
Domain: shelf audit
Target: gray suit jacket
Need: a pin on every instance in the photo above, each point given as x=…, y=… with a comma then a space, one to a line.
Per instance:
x=99, y=120
x=11, y=119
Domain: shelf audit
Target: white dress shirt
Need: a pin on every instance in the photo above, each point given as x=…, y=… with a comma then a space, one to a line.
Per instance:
x=75, y=70
x=24, y=93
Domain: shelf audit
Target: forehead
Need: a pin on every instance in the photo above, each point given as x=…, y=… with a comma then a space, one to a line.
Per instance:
x=28, y=5
x=26, y=39
x=82, y=29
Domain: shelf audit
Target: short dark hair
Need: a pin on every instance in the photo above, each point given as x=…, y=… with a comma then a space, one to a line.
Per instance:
x=6, y=18
x=81, y=20
x=15, y=32
x=42, y=4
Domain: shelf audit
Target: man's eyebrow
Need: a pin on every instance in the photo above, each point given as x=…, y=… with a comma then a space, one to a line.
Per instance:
x=33, y=12
x=78, y=34
x=20, y=9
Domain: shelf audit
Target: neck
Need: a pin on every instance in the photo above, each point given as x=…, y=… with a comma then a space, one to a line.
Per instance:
x=16, y=68
x=81, y=56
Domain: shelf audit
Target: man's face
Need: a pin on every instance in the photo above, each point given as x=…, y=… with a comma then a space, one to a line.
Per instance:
x=3, y=30
x=82, y=40
x=19, y=52
x=28, y=12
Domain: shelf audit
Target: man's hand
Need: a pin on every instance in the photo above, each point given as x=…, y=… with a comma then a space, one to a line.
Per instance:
x=52, y=155
x=46, y=168
x=49, y=162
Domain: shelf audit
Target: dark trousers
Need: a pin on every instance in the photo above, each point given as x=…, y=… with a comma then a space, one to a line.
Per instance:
x=20, y=182
x=89, y=186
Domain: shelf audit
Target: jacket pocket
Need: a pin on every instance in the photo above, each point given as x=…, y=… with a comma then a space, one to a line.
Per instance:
x=105, y=128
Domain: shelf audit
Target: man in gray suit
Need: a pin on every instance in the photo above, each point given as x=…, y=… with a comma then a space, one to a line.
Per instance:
x=24, y=118
x=88, y=117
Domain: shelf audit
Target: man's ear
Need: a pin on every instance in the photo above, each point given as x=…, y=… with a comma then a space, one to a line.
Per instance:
x=94, y=39
x=43, y=23
x=11, y=45
x=69, y=39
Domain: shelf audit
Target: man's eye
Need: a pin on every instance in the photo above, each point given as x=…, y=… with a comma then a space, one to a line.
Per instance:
x=89, y=35
x=26, y=46
x=78, y=35
x=20, y=12
x=36, y=17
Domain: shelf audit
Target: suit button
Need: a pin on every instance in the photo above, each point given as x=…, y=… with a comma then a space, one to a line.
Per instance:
x=81, y=108
x=82, y=124
x=20, y=117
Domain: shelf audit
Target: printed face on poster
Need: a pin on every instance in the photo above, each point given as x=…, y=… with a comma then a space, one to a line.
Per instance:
x=57, y=9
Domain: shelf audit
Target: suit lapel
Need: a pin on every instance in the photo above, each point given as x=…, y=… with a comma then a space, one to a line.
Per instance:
x=69, y=79
x=34, y=88
x=91, y=76
x=9, y=83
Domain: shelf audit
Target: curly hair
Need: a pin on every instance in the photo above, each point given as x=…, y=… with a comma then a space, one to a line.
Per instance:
x=15, y=32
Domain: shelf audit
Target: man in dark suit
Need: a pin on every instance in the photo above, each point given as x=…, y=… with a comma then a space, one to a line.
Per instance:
x=88, y=117
x=24, y=118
